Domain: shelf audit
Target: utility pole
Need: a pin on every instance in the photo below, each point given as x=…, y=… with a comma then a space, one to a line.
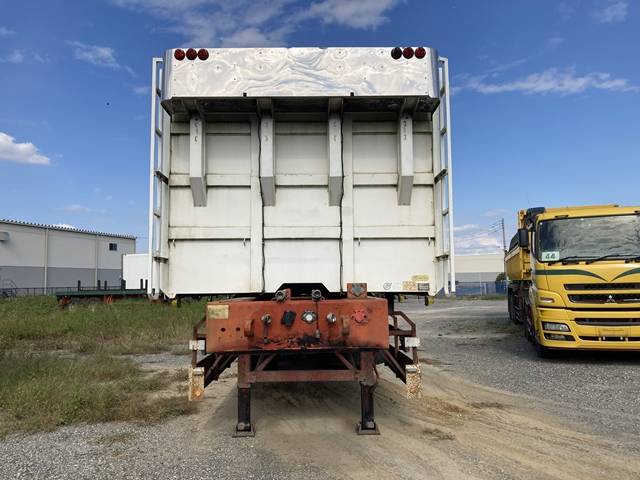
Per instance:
x=504, y=237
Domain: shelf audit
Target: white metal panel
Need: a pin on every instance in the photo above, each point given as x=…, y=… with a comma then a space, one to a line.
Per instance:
x=375, y=153
x=302, y=261
x=302, y=207
x=228, y=154
x=299, y=72
x=134, y=269
x=225, y=207
x=180, y=154
x=209, y=266
x=395, y=264
x=422, y=152
x=302, y=151
x=379, y=206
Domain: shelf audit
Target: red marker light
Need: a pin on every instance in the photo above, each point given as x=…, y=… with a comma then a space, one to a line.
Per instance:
x=396, y=53
x=192, y=54
x=178, y=54
x=203, y=54
x=420, y=52
x=406, y=53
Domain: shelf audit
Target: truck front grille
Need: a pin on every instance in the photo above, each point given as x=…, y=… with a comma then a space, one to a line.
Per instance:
x=608, y=322
x=605, y=298
x=601, y=286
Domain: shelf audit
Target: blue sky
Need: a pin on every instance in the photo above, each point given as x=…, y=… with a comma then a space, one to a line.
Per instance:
x=545, y=110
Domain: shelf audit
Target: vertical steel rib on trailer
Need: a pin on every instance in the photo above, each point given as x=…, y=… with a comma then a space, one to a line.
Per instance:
x=306, y=188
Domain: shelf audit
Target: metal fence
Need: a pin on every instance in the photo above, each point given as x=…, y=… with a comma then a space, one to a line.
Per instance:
x=481, y=289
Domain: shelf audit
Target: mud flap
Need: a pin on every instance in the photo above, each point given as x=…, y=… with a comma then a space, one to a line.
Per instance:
x=196, y=384
x=414, y=381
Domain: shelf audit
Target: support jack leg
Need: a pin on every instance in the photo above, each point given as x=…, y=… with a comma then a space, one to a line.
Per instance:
x=367, y=425
x=244, y=427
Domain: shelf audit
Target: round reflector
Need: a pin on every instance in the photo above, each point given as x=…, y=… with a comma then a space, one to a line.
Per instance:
x=192, y=54
x=406, y=53
x=396, y=53
x=203, y=54
x=420, y=52
x=178, y=54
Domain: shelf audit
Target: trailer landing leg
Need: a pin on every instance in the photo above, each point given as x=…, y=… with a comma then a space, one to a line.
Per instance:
x=367, y=425
x=244, y=427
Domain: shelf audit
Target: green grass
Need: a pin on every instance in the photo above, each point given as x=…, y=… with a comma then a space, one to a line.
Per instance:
x=40, y=392
x=125, y=327
x=59, y=367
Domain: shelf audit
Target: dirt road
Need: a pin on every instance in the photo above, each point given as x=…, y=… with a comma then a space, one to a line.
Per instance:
x=462, y=428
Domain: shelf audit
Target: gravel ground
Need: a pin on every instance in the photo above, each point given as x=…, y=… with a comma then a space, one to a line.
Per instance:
x=475, y=340
x=490, y=410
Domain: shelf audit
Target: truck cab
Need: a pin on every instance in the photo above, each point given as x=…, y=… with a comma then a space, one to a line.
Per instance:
x=574, y=277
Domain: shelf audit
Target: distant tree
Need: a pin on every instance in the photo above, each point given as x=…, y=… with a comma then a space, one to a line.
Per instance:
x=501, y=277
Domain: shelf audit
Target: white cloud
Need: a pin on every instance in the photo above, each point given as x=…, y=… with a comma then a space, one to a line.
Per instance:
x=555, y=42
x=611, y=11
x=64, y=225
x=552, y=80
x=16, y=56
x=351, y=13
x=466, y=227
x=472, y=239
x=97, y=55
x=245, y=23
x=142, y=90
x=495, y=212
x=26, y=153
x=5, y=32
x=74, y=207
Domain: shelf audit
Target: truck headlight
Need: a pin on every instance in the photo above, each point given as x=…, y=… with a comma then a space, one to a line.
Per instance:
x=546, y=300
x=555, y=327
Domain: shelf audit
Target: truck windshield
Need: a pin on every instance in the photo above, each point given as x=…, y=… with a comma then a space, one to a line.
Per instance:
x=588, y=238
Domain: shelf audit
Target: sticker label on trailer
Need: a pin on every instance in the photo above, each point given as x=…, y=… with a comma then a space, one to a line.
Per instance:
x=550, y=256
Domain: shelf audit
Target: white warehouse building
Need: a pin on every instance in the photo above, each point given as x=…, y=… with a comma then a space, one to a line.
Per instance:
x=49, y=257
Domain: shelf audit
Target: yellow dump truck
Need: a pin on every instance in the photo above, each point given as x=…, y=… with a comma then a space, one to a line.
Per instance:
x=574, y=277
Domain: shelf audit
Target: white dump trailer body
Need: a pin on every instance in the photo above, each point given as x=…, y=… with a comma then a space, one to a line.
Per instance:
x=299, y=165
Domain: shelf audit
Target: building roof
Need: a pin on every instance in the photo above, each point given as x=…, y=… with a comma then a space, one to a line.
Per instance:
x=65, y=229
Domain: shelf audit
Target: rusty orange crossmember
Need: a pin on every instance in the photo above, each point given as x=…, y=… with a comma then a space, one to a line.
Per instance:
x=304, y=338
x=296, y=324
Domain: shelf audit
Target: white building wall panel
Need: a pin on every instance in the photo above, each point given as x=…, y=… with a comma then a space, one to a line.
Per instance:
x=72, y=250
x=24, y=247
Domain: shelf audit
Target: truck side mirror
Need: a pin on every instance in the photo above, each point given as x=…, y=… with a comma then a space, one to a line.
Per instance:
x=523, y=238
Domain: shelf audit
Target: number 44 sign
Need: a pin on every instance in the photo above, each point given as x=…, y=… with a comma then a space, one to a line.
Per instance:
x=550, y=256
